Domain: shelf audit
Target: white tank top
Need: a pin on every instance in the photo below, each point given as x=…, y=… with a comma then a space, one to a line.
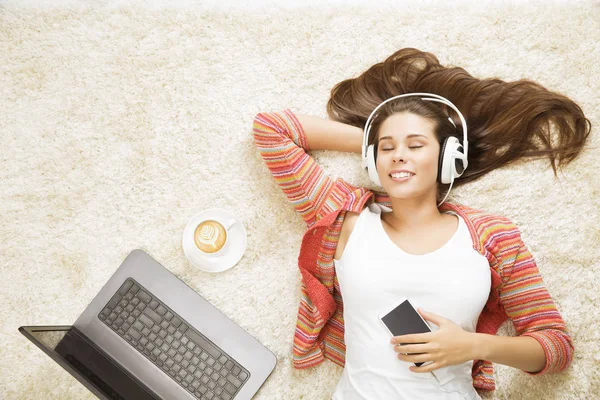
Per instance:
x=453, y=282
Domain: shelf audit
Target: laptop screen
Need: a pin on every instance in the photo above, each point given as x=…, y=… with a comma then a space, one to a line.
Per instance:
x=70, y=348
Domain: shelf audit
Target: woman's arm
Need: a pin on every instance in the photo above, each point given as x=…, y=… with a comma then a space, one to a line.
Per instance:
x=282, y=143
x=452, y=345
x=530, y=307
x=325, y=134
x=282, y=139
x=522, y=352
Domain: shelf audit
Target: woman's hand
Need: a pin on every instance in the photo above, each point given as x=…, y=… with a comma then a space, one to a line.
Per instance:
x=449, y=345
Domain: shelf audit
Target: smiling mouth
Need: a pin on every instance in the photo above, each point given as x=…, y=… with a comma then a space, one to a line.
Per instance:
x=402, y=179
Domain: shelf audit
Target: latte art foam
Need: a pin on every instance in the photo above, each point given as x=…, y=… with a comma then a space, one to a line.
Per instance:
x=210, y=236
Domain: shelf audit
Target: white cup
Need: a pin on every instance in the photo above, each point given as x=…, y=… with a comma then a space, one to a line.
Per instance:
x=216, y=259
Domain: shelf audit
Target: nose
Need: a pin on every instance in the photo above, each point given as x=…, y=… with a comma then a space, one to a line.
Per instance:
x=398, y=154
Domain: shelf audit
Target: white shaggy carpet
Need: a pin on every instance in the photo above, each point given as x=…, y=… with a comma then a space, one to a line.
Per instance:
x=119, y=121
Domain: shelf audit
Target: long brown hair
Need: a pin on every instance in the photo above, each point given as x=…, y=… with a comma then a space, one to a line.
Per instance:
x=505, y=120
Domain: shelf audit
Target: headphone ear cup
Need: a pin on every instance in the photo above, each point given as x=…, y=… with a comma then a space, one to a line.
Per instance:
x=458, y=162
x=371, y=166
x=441, y=161
x=450, y=166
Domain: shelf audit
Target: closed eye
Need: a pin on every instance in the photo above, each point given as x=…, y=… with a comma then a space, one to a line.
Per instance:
x=410, y=147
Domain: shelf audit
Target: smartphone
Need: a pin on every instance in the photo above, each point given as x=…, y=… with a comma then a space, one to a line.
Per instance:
x=402, y=318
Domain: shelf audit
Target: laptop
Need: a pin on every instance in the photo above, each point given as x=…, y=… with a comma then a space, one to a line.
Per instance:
x=147, y=335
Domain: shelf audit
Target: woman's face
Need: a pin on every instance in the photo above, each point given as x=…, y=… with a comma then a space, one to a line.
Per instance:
x=407, y=143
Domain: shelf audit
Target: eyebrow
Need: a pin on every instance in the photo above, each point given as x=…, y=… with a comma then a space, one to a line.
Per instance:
x=408, y=137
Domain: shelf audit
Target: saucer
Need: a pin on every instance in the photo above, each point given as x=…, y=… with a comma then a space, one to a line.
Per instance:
x=229, y=255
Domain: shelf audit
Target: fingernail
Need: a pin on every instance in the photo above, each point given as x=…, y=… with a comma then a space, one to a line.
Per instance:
x=392, y=341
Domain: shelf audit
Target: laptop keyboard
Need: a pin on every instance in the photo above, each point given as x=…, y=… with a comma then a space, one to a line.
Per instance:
x=174, y=346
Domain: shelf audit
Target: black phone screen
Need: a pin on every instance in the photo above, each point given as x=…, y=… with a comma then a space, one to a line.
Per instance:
x=405, y=320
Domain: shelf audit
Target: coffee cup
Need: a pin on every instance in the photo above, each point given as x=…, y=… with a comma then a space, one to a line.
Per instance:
x=211, y=236
x=214, y=240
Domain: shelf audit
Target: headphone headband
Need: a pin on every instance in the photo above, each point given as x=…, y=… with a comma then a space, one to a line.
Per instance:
x=434, y=97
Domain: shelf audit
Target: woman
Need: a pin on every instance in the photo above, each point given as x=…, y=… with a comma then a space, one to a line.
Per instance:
x=468, y=271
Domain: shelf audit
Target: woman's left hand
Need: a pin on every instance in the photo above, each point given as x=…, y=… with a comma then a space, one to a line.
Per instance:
x=449, y=345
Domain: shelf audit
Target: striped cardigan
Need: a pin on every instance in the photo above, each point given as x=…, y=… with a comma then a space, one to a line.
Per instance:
x=517, y=292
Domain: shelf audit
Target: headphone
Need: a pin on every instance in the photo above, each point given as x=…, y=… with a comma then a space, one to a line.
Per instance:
x=452, y=160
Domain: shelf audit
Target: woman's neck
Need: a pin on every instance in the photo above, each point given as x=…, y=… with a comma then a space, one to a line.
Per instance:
x=413, y=214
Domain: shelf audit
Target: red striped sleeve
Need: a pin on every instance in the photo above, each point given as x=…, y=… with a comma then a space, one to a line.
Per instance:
x=529, y=305
x=281, y=142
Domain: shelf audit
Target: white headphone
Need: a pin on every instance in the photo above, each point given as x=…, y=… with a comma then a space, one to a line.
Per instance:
x=452, y=161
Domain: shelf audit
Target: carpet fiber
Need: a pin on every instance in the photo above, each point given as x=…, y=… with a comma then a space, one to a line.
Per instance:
x=119, y=121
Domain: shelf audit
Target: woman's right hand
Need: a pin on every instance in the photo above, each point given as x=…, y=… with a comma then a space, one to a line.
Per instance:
x=326, y=134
